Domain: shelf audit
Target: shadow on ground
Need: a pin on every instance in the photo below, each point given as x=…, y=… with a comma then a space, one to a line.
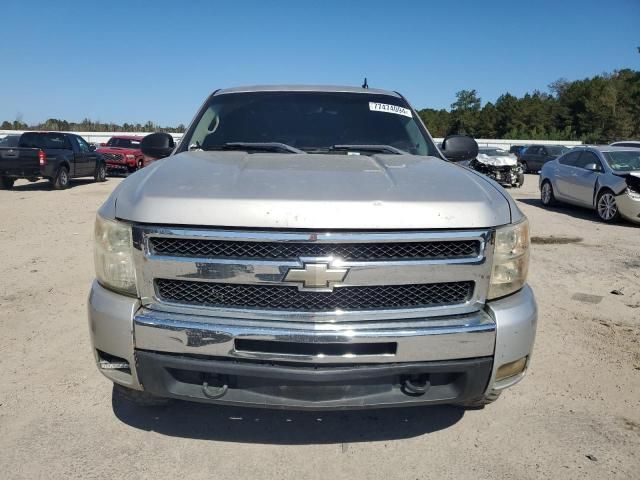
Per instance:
x=46, y=185
x=281, y=427
x=574, y=212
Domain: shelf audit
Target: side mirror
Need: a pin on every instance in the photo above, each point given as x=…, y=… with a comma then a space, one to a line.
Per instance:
x=457, y=148
x=92, y=148
x=592, y=167
x=157, y=145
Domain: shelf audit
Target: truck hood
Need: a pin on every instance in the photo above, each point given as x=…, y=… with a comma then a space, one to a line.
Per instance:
x=121, y=150
x=310, y=191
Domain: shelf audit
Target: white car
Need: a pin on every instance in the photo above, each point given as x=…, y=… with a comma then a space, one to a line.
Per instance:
x=500, y=165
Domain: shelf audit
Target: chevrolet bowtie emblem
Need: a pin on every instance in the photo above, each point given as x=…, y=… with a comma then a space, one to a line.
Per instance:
x=316, y=276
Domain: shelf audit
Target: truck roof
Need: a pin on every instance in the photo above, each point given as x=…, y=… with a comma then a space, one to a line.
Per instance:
x=128, y=137
x=305, y=88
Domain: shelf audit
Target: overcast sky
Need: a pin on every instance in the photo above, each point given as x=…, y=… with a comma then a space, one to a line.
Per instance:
x=120, y=62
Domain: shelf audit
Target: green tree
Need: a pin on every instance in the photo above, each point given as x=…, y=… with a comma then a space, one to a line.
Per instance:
x=465, y=112
x=437, y=121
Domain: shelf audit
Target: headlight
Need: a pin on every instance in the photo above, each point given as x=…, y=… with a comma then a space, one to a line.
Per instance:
x=510, y=259
x=633, y=194
x=113, y=254
x=130, y=156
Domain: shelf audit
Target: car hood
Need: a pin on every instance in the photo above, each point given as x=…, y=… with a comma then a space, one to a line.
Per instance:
x=498, y=161
x=310, y=191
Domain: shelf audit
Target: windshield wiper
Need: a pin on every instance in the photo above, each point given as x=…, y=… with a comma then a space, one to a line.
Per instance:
x=257, y=146
x=370, y=148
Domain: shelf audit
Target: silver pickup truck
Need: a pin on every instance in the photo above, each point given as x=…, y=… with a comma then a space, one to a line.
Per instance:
x=311, y=248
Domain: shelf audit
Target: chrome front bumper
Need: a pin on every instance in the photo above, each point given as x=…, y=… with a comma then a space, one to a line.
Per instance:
x=467, y=336
x=120, y=327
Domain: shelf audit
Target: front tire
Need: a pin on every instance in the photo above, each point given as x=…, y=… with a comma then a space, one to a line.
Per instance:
x=140, y=164
x=606, y=207
x=61, y=181
x=101, y=173
x=525, y=168
x=138, y=398
x=6, y=183
x=547, y=197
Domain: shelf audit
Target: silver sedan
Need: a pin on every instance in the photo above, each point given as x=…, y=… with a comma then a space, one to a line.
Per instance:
x=605, y=178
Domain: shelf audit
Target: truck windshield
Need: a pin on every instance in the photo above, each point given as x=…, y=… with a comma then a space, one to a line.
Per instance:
x=124, y=143
x=314, y=122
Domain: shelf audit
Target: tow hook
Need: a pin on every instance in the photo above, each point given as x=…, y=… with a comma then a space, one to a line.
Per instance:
x=416, y=385
x=214, y=392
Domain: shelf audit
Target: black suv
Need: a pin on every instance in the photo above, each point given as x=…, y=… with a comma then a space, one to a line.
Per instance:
x=535, y=156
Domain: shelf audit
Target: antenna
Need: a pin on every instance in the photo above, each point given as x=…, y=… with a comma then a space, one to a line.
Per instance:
x=365, y=84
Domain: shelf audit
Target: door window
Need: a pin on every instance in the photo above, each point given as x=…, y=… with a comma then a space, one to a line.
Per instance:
x=533, y=150
x=587, y=158
x=570, y=158
x=84, y=146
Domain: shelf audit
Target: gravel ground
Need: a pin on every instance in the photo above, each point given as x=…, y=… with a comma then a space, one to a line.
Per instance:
x=575, y=415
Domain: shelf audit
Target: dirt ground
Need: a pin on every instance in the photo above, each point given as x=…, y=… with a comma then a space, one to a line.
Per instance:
x=576, y=414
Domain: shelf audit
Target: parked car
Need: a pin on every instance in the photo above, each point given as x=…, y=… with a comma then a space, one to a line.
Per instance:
x=535, y=156
x=499, y=165
x=311, y=248
x=627, y=143
x=9, y=141
x=517, y=150
x=606, y=179
x=56, y=156
x=122, y=153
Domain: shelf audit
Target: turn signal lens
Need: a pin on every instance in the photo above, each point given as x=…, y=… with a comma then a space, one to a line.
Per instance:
x=510, y=369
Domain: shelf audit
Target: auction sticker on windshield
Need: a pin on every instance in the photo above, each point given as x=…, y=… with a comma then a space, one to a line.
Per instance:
x=383, y=107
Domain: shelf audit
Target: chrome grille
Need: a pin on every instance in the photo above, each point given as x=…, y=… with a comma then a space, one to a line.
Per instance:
x=269, y=297
x=114, y=157
x=184, y=247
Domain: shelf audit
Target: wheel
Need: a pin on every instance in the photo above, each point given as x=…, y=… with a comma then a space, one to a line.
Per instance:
x=607, y=207
x=101, y=173
x=140, y=164
x=6, y=183
x=61, y=180
x=479, y=403
x=138, y=397
x=546, y=194
x=520, y=179
x=525, y=167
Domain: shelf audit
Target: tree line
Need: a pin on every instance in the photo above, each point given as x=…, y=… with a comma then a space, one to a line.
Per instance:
x=87, y=125
x=600, y=109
